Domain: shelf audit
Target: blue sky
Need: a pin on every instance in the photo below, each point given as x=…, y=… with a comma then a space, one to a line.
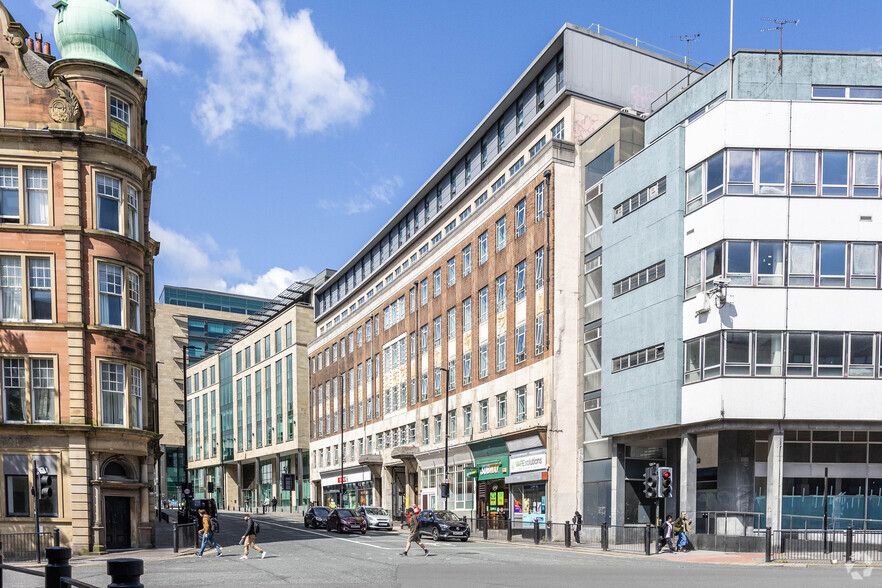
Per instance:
x=286, y=133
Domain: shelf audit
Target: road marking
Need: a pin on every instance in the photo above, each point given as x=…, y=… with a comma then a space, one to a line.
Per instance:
x=327, y=535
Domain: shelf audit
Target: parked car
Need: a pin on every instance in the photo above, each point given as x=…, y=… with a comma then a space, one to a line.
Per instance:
x=189, y=510
x=375, y=517
x=443, y=524
x=316, y=516
x=345, y=520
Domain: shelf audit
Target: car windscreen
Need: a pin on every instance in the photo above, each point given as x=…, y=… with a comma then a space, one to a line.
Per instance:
x=320, y=511
x=446, y=516
x=343, y=512
x=377, y=512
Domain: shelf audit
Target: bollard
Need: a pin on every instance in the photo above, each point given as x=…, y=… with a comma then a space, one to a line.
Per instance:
x=849, y=544
x=508, y=530
x=125, y=573
x=486, y=530
x=604, y=536
x=175, y=531
x=768, y=544
x=536, y=532
x=56, y=534
x=647, y=539
x=568, y=542
x=58, y=565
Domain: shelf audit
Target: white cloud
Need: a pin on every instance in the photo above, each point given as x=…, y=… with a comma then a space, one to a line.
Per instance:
x=379, y=193
x=154, y=62
x=270, y=69
x=198, y=262
x=273, y=282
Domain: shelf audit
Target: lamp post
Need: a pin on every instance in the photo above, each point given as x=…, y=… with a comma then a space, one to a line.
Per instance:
x=186, y=422
x=446, y=427
x=156, y=430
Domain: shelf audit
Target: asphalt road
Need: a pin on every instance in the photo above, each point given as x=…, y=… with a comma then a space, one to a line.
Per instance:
x=299, y=556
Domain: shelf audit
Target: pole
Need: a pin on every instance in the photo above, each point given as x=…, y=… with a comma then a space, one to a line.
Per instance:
x=825, y=510
x=342, y=479
x=446, y=429
x=156, y=427
x=731, y=57
x=186, y=424
x=36, y=487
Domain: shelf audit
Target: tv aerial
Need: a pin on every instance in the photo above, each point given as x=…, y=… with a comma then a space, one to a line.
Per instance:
x=780, y=23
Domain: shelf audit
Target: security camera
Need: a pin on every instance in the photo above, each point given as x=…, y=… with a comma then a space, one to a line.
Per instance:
x=721, y=282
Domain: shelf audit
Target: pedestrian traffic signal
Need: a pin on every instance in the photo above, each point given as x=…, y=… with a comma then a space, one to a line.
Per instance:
x=666, y=477
x=445, y=490
x=44, y=486
x=650, y=481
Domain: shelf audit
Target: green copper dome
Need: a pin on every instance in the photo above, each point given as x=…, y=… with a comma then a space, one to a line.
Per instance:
x=96, y=30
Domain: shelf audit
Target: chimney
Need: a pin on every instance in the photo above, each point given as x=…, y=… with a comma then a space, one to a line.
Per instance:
x=46, y=48
x=30, y=44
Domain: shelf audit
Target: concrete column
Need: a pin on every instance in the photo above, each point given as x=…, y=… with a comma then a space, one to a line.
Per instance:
x=239, y=502
x=258, y=499
x=299, y=471
x=617, y=486
x=277, y=475
x=386, y=495
x=688, y=474
x=775, y=479
x=409, y=491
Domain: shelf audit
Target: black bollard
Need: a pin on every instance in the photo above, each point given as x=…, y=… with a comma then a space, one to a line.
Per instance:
x=56, y=534
x=125, y=573
x=536, y=531
x=58, y=565
x=568, y=542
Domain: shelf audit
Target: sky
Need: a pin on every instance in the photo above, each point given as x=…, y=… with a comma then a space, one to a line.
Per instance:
x=287, y=133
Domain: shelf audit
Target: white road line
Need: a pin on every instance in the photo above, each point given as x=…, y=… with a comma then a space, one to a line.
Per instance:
x=327, y=535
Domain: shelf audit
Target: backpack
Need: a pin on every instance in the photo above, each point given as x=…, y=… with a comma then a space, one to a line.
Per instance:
x=256, y=528
x=214, y=525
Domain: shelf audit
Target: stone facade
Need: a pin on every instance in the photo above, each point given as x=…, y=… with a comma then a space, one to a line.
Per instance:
x=75, y=332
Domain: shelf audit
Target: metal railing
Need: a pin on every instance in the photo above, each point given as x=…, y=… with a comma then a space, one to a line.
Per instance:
x=728, y=523
x=23, y=546
x=848, y=545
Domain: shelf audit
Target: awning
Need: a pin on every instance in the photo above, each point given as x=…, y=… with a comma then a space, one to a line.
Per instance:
x=527, y=477
x=457, y=455
x=531, y=442
x=491, y=459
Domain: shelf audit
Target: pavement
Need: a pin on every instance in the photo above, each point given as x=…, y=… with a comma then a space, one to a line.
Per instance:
x=300, y=556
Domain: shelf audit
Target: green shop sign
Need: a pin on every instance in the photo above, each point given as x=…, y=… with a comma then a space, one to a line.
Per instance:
x=492, y=468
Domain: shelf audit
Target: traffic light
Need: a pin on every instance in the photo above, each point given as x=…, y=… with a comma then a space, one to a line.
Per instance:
x=445, y=490
x=650, y=481
x=666, y=475
x=44, y=486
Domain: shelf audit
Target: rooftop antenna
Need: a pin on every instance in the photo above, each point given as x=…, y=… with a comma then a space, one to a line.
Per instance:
x=688, y=39
x=780, y=22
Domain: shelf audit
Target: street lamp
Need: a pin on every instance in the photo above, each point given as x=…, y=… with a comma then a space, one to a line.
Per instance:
x=156, y=430
x=446, y=428
x=186, y=421
x=342, y=450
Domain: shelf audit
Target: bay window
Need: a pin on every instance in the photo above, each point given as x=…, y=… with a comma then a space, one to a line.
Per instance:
x=133, y=219
x=110, y=294
x=118, y=206
x=120, y=120
x=113, y=392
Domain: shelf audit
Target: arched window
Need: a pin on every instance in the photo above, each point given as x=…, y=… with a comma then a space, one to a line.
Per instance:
x=116, y=469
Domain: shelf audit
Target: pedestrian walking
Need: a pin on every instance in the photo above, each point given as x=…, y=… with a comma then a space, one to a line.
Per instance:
x=209, y=526
x=413, y=524
x=667, y=531
x=577, y=526
x=266, y=503
x=250, y=537
x=681, y=526
x=275, y=502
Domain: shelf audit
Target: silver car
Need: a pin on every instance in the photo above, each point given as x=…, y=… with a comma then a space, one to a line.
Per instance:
x=375, y=517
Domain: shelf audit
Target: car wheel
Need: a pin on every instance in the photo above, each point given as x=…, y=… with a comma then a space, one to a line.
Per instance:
x=435, y=534
x=464, y=539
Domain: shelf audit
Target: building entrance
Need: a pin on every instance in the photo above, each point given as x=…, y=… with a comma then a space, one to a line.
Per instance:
x=118, y=522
